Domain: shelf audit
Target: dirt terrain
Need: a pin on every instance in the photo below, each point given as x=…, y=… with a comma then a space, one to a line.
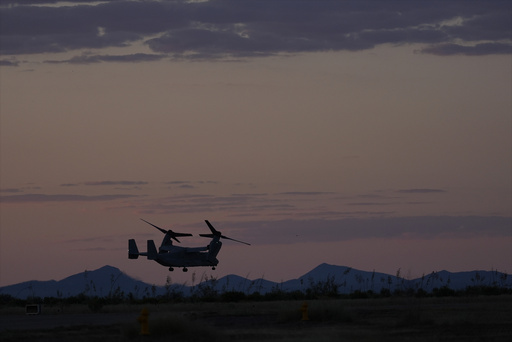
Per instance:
x=52, y=321
x=486, y=318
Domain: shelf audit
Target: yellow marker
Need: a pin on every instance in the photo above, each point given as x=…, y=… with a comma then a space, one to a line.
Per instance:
x=304, y=310
x=143, y=320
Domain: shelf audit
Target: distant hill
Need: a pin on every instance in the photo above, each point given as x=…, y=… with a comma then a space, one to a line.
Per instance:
x=108, y=281
x=101, y=282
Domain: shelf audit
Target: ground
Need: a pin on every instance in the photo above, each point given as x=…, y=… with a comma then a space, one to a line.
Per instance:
x=486, y=318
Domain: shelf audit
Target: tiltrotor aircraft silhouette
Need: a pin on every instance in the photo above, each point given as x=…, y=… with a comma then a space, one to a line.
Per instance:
x=176, y=256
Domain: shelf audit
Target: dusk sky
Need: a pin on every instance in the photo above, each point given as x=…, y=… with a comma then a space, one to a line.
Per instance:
x=370, y=134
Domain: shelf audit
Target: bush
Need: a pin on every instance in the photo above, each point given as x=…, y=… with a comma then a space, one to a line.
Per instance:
x=232, y=296
x=385, y=292
x=175, y=327
x=318, y=311
x=444, y=291
x=421, y=293
x=95, y=304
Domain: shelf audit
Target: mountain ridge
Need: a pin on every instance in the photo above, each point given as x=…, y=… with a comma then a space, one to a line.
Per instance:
x=110, y=281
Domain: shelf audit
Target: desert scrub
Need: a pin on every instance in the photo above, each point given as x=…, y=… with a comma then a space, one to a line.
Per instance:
x=174, y=327
x=318, y=311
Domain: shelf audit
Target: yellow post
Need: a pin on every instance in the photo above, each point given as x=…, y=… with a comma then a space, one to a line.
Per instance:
x=143, y=320
x=304, y=309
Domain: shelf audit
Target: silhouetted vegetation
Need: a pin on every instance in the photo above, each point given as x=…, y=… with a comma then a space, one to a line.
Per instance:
x=207, y=291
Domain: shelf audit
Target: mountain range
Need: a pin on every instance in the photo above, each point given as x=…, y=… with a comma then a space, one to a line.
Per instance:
x=110, y=281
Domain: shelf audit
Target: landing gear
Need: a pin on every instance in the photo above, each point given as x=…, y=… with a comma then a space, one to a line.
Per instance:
x=171, y=269
x=185, y=269
x=213, y=268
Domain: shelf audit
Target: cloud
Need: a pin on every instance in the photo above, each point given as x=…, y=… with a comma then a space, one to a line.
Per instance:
x=252, y=28
x=232, y=205
x=39, y=198
x=186, y=186
x=41, y=2
x=311, y=230
x=305, y=193
x=89, y=58
x=109, y=183
x=298, y=204
x=189, y=184
x=303, y=205
x=181, y=182
x=11, y=190
x=9, y=62
x=421, y=191
x=290, y=231
x=416, y=227
x=475, y=50
x=369, y=203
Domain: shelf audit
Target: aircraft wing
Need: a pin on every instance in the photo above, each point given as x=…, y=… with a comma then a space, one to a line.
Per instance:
x=179, y=249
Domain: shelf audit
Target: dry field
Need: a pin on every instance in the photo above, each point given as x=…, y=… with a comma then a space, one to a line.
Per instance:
x=486, y=318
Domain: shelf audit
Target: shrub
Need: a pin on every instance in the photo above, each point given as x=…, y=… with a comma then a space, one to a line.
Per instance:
x=318, y=311
x=443, y=291
x=232, y=296
x=175, y=327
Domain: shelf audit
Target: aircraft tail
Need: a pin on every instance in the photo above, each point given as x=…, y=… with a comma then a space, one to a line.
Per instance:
x=152, y=253
x=133, y=251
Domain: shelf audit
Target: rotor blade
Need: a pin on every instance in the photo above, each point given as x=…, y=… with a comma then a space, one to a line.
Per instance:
x=228, y=238
x=223, y=237
x=217, y=233
x=180, y=234
x=160, y=229
x=207, y=235
x=172, y=234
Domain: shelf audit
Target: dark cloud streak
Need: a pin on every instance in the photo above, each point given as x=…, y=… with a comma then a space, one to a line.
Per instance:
x=131, y=58
x=236, y=204
x=40, y=198
x=11, y=190
x=102, y=183
x=9, y=62
x=421, y=191
x=251, y=28
x=306, y=193
x=415, y=227
x=476, y=50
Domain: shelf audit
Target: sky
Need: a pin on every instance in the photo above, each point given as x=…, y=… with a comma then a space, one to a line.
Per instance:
x=370, y=134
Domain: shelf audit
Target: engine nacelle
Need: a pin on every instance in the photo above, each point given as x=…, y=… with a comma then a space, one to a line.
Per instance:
x=214, y=249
